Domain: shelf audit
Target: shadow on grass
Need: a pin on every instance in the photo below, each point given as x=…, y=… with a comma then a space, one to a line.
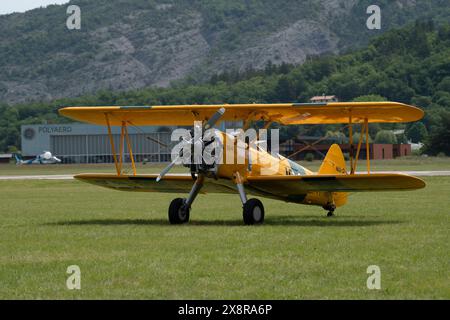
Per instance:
x=275, y=221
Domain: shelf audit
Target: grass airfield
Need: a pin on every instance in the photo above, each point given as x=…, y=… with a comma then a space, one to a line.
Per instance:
x=406, y=164
x=126, y=249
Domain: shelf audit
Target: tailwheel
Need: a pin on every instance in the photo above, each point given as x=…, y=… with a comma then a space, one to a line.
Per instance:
x=178, y=211
x=330, y=208
x=253, y=212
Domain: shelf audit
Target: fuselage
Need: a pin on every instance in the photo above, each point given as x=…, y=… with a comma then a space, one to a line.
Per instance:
x=41, y=159
x=259, y=162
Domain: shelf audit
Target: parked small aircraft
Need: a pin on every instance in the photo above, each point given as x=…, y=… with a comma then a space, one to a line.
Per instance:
x=290, y=182
x=44, y=158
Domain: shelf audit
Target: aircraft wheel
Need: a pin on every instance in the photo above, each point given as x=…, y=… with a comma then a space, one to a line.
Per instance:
x=253, y=212
x=178, y=213
x=330, y=208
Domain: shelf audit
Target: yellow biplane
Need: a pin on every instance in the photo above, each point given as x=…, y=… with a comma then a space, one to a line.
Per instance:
x=290, y=182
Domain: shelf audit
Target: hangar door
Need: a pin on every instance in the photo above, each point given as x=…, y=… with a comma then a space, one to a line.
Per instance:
x=97, y=148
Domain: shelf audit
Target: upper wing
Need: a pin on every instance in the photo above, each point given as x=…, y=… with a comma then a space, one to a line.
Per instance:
x=295, y=185
x=292, y=113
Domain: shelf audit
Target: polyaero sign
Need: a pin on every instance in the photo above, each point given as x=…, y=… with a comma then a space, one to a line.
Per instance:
x=52, y=129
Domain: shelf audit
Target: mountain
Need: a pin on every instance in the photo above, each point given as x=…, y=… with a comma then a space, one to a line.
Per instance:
x=410, y=65
x=132, y=44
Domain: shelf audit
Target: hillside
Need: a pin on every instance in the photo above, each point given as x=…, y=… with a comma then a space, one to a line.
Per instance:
x=132, y=44
x=410, y=65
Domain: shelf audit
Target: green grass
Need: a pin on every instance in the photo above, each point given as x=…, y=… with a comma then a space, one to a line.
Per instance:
x=126, y=249
x=405, y=164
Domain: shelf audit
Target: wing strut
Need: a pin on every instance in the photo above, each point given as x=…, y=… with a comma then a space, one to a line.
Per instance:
x=130, y=150
x=124, y=138
x=364, y=131
x=353, y=157
x=350, y=140
x=366, y=122
x=111, y=140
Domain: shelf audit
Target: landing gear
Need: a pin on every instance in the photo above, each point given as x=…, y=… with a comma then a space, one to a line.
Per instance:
x=330, y=208
x=178, y=211
x=252, y=209
x=253, y=212
x=179, y=208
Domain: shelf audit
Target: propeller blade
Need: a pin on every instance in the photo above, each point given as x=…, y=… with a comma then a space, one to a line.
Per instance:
x=167, y=169
x=281, y=157
x=260, y=141
x=215, y=117
x=249, y=166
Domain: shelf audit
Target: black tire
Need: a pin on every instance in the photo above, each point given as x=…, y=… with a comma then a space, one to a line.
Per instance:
x=178, y=213
x=253, y=212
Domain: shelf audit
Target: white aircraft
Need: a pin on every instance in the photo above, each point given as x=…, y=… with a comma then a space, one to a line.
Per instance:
x=45, y=158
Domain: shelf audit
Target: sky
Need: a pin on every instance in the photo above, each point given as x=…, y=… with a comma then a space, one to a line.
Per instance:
x=10, y=6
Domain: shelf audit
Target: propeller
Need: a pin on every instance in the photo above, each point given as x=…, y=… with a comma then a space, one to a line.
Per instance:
x=193, y=141
x=213, y=120
x=173, y=163
x=167, y=169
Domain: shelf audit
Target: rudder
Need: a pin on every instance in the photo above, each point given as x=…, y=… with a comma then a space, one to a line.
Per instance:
x=18, y=158
x=334, y=162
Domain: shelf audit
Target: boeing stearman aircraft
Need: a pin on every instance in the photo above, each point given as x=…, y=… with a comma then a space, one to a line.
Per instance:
x=290, y=182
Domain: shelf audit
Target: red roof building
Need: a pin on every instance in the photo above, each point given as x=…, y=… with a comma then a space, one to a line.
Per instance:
x=323, y=98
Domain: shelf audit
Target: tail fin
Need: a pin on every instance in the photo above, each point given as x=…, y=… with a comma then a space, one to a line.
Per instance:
x=334, y=162
x=18, y=158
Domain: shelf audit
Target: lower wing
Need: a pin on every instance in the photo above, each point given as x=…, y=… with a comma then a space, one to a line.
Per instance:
x=288, y=185
x=175, y=183
x=263, y=185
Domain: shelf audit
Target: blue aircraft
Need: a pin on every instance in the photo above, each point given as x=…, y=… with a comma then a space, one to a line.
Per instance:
x=44, y=158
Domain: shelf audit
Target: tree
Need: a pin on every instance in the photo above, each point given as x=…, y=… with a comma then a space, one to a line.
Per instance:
x=357, y=135
x=401, y=138
x=385, y=136
x=421, y=101
x=269, y=68
x=444, y=85
x=439, y=139
x=284, y=92
x=417, y=132
x=337, y=136
x=369, y=97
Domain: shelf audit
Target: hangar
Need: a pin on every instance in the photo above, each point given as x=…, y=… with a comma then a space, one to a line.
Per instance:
x=84, y=143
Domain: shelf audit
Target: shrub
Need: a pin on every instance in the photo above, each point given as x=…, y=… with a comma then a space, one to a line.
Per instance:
x=309, y=157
